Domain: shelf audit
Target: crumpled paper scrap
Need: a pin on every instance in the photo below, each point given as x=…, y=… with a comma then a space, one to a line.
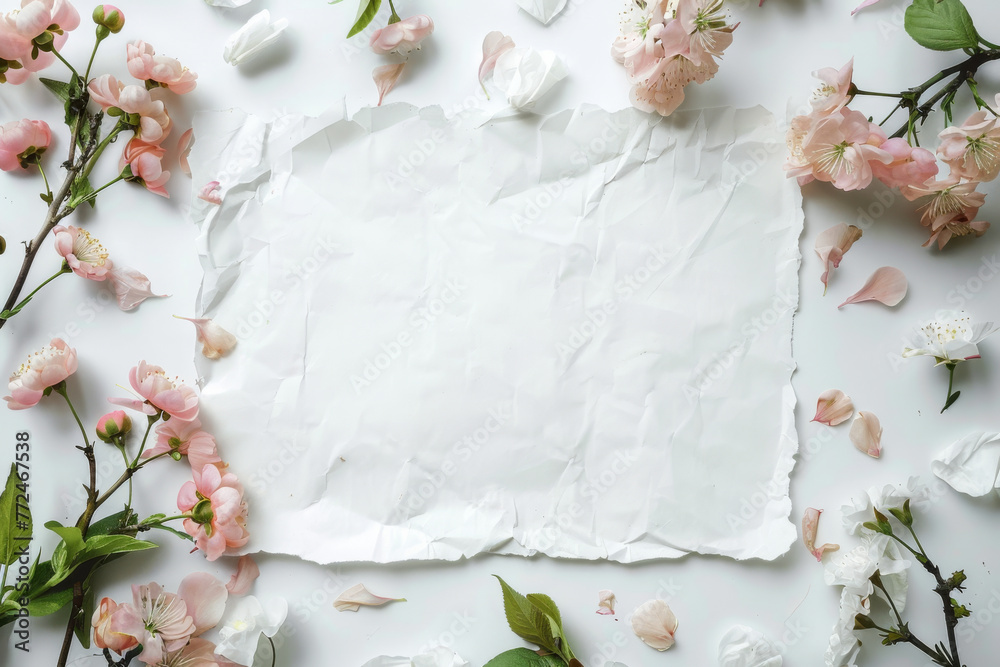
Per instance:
x=971, y=465
x=525, y=75
x=745, y=647
x=543, y=10
x=436, y=657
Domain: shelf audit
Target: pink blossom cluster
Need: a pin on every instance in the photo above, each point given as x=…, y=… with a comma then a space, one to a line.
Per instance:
x=666, y=45
x=29, y=34
x=167, y=625
x=839, y=145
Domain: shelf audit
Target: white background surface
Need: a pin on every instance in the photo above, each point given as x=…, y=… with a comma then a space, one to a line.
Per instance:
x=458, y=604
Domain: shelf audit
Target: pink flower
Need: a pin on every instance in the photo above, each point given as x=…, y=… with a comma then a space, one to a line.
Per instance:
x=144, y=64
x=105, y=91
x=145, y=162
x=159, y=620
x=973, y=149
x=403, y=36
x=110, y=17
x=22, y=143
x=114, y=426
x=160, y=393
x=704, y=21
x=216, y=341
x=153, y=123
x=131, y=287
x=831, y=246
x=385, y=77
x=43, y=20
x=198, y=653
x=186, y=438
x=833, y=407
x=214, y=502
x=835, y=92
x=108, y=620
x=210, y=193
x=947, y=226
x=910, y=166
x=837, y=150
x=43, y=369
x=810, y=526
x=246, y=573
x=945, y=197
x=82, y=252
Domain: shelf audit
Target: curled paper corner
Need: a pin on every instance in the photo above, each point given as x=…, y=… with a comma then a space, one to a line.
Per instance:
x=745, y=647
x=256, y=35
x=970, y=465
x=543, y=10
x=436, y=657
x=525, y=75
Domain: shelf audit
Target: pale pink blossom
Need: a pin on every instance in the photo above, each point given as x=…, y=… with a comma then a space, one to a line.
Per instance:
x=211, y=192
x=663, y=90
x=606, y=603
x=198, y=653
x=911, y=166
x=110, y=17
x=246, y=573
x=972, y=150
x=402, y=36
x=798, y=130
x=655, y=624
x=105, y=90
x=160, y=393
x=145, y=162
x=948, y=226
x=131, y=287
x=114, y=426
x=184, y=145
x=154, y=122
x=835, y=91
x=866, y=434
x=107, y=622
x=837, y=150
x=159, y=620
x=216, y=510
x=43, y=369
x=887, y=285
x=205, y=597
x=945, y=197
x=832, y=244
x=708, y=34
x=216, y=341
x=494, y=45
x=833, y=407
x=20, y=27
x=82, y=252
x=810, y=526
x=385, y=77
x=145, y=65
x=186, y=438
x=358, y=596
x=22, y=143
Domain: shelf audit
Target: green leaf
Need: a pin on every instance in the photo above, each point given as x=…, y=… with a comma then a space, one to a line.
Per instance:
x=951, y=400
x=114, y=524
x=72, y=538
x=82, y=625
x=58, y=88
x=520, y=617
x=50, y=602
x=366, y=12
x=544, y=605
x=522, y=657
x=941, y=25
x=80, y=190
x=15, y=519
x=106, y=545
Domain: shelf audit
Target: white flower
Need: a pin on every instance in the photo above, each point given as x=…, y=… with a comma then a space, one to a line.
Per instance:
x=745, y=647
x=543, y=10
x=246, y=620
x=524, y=75
x=949, y=339
x=247, y=42
x=854, y=569
x=882, y=499
x=971, y=464
x=844, y=644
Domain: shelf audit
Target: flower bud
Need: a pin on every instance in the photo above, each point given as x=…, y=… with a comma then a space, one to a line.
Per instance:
x=114, y=426
x=110, y=17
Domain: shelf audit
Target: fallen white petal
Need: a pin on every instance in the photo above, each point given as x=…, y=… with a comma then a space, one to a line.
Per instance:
x=970, y=465
x=247, y=42
x=358, y=596
x=745, y=647
x=543, y=10
x=525, y=75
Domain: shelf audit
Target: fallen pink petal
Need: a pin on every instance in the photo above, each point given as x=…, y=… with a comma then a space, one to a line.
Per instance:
x=211, y=192
x=216, y=341
x=495, y=45
x=246, y=573
x=887, y=285
x=356, y=597
x=866, y=434
x=655, y=624
x=385, y=78
x=606, y=603
x=131, y=287
x=184, y=145
x=832, y=244
x=810, y=526
x=833, y=407
x=866, y=3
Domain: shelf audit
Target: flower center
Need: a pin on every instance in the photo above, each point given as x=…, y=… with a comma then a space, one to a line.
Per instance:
x=833, y=160
x=88, y=249
x=984, y=152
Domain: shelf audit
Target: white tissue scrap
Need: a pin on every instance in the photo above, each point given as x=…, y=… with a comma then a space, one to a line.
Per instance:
x=226, y=3
x=437, y=657
x=543, y=10
x=745, y=647
x=525, y=75
x=564, y=334
x=971, y=465
x=250, y=40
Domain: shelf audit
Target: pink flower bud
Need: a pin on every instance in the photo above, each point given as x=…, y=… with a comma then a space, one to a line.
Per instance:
x=110, y=17
x=113, y=426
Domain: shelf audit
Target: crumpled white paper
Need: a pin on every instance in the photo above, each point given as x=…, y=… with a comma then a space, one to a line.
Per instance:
x=256, y=35
x=745, y=647
x=543, y=10
x=436, y=657
x=567, y=334
x=226, y=3
x=971, y=465
x=525, y=75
